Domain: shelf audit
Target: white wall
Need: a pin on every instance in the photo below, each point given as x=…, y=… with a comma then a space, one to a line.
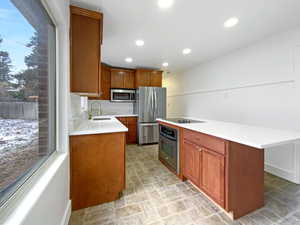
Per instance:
x=44, y=198
x=257, y=85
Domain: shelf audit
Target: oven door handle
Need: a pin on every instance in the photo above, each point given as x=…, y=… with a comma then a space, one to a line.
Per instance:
x=168, y=137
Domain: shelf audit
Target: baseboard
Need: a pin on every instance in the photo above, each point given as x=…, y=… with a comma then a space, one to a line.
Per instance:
x=287, y=175
x=67, y=214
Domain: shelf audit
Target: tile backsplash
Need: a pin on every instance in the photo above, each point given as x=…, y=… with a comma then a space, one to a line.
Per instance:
x=77, y=114
x=110, y=108
x=95, y=106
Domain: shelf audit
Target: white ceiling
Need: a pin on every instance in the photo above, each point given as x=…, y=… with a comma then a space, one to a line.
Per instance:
x=196, y=24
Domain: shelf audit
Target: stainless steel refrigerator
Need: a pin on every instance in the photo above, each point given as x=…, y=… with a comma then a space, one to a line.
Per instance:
x=150, y=105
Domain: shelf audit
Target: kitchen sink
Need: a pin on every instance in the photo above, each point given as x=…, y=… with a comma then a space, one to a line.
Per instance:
x=101, y=118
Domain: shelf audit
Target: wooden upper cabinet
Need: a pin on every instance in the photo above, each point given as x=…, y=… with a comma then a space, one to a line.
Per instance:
x=213, y=175
x=142, y=78
x=85, y=41
x=129, y=80
x=105, y=82
x=156, y=79
x=117, y=78
x=192, y=162
x=121, y=78
x=148, y=78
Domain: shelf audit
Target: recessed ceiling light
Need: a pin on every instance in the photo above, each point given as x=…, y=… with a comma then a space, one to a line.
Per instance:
x=186, y=51
x=231, y=22
x=164, y=4
x=165, y=64
x=139, y=42
x=128, y=59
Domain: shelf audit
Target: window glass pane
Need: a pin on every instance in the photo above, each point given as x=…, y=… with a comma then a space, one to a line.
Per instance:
x=27, y=91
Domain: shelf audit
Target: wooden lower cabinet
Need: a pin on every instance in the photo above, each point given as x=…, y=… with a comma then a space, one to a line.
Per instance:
x=97, y=168
x=213, y=175
x=132, y=134
x=131, y=124
x=123, y=120
x=192, y=162
x=231, y=174
x=206, y=169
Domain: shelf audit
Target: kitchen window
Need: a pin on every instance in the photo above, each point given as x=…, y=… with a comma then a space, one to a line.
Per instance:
x=27, y=91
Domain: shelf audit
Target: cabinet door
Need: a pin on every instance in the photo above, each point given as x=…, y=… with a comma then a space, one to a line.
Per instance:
x=105, y=82
x=97, y=168
x=192, y=159
x=132, y=134
x=156, y=79
x=117, y=78
x=85, y=42
x=213, y=175
x=142, y=78
x=129, y=80
x=132, y=130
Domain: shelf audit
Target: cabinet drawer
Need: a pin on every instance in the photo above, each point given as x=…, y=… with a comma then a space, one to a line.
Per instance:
x=210, y=142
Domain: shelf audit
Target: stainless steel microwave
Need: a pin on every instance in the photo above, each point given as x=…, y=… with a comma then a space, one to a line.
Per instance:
x=122, y=95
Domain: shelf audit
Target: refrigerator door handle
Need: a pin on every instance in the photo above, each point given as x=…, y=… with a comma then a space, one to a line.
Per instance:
x=154, y=104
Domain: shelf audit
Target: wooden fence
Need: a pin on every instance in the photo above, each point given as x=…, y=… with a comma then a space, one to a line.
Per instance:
x=19, y=110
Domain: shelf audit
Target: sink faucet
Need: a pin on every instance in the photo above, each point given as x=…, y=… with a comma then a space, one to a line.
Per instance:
x=95, y=111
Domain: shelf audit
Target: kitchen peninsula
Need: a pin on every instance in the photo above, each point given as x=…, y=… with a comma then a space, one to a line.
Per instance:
x=97, y=151
x=226, y=161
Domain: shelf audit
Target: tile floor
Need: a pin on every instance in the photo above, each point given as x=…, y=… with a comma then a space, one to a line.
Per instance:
x=154, y=196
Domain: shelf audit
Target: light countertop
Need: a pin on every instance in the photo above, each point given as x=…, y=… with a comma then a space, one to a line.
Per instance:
x=257, y=137
x=122, y=115
x=86, y=127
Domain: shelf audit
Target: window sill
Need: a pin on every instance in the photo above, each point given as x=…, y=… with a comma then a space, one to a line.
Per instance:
x=22, y=201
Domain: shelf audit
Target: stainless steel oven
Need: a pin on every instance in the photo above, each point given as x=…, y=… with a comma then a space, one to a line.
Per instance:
x=169, y=146
x=122, y=95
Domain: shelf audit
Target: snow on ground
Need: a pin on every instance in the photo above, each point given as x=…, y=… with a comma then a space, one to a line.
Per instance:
x=17, y=133
x=18, y=149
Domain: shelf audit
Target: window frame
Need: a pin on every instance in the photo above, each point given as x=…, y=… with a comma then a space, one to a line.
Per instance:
x=35, y=171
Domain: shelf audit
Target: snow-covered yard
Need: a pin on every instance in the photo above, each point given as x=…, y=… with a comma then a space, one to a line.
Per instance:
x=17, y=133
x=18, y=148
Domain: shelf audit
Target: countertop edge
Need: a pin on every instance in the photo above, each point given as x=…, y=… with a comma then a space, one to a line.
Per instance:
x=79, y=133
x=121, y=115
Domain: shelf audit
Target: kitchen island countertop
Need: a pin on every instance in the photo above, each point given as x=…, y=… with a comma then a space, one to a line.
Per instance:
x=254, y=136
